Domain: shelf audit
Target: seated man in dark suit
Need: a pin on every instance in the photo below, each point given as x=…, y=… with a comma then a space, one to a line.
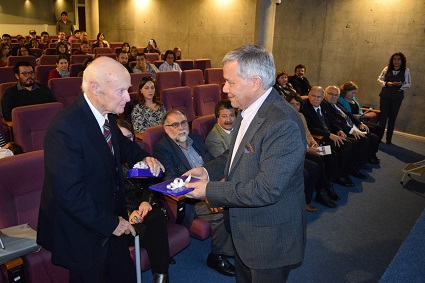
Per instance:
x=353, y=128
x=300, y=82
x=180, y=151
x=320, y=123
x=218, y=139
x=25, y=92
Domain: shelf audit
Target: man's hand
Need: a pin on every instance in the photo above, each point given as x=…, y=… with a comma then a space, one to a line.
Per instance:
x=154, y=165
x=137, y=216
x=200, y=189
x=364, y=128
x=314, y=150
x=124, y=227
x=357, y=133
x=338, y=141
x=198, y=172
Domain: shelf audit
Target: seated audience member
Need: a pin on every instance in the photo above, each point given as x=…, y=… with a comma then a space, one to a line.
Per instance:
x=132, y=54
x=148, y=110
x=152, y=47
x=25, y=92
x=84, y=36
x=4, y=53
x=124, y=47
x=33, y=35
x=45, y=40
x=61, y=70
x=218, y=139
x=123, y=59
x=143, y=66
x=169, y=64
x=100, y=40
x=282, y=86
x=86, y=62
x=325, y=166
x=300, y=82
x=34, y=43
x=320, y=123
x=62, y=39
x=62, y=49
x=180, y=151
x=350, y=103
x=23, y=51
x=76, y=37
x=84, y=48
x=7, y=39
x=146, y=217
x=354, y=129
x=21, y=42
x=10, y=149
x=178, y=53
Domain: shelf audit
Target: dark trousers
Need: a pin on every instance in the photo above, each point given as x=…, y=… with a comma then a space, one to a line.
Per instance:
x=245, y=274
x=311, y=174
x=345, y=158
x=389, y=110
x=154, y=237
x=322, y=181
x=376, y=129
x=117, y=267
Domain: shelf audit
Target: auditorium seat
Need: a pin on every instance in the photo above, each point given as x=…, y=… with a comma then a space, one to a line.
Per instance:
x=152, y=57
x=7, y=75
x=52, y=45
x=101, y=50
x=12, y=60
x=30, y=124
x=185, y=64
x=151, y=136
x=214, y=76
x=202, y=64
x=203, y=125
x=42, y=73
x=21, y=182
x=3, y=88
x=158, y=63
x=205, y=97
x=50, y=51
x=179, y=98
x=76, y=45
x=113, y=45
x=78, y=59
x=66, y=90
x=192, y=78
x=37, y=52
x=48, y=60
x=135, y=80
x=74, y=69
x=111, y=55
x=166, y=80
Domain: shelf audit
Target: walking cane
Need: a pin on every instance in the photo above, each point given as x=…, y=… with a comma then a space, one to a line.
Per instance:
x=137, y=255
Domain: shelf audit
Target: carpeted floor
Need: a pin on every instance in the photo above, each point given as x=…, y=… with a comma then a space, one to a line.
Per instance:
x=354, y=242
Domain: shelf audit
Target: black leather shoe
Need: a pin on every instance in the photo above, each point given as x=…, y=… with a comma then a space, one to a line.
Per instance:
x=344, y=181
x=160, y=278
x=364, y=167
x=324, y=199
x=221, y=264
x=332, y=194
x=356, y=173
x=374, y=159
x=171, y=260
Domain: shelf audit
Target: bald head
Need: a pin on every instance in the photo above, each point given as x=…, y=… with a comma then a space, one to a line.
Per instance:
x=106, y=83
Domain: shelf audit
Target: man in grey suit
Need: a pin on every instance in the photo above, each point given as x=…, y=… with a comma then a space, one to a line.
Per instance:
x=218, y=139
x=263, y=186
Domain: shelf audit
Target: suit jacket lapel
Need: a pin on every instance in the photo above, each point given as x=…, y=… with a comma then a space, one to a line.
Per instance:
x=180, y=155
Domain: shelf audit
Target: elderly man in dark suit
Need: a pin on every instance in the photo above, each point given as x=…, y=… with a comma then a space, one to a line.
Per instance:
x=263, y=187
x=83, y=215
x=180, y=151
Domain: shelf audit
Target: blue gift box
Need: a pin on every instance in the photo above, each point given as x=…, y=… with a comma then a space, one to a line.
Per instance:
x=140, y=173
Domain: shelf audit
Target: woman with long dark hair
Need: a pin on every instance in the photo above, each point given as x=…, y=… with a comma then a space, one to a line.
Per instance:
x=394, y=79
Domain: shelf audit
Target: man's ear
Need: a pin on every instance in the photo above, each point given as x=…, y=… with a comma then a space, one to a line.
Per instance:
x=94, y=88
x=17, y=76
x=257, y=83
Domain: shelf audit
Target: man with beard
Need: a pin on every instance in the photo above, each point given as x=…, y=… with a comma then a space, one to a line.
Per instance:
x=180, y=151
x=218, y=140
x=300, y=82
x=25, y=92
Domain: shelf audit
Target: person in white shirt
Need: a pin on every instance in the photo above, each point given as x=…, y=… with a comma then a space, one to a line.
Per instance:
x=169, y=64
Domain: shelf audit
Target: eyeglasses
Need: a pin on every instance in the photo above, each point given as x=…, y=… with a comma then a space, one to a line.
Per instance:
x=175, y=125
x=26, y=74
x=333, y=94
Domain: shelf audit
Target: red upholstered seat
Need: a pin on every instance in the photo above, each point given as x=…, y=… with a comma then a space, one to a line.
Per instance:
x=7, y=75
x=202, y=64
x=66, y=90
x=152, y=57
x=101, y=50
x=179, y=98
x=185, y=64
x=203, y=125
x=42, y=73
x=168, y=79
x=74, y=69
x=135, y=80
x=205, y=97
x=48, y=60
x=78, y=59
x=192, y=78
x=214, y=76
x=12, y=60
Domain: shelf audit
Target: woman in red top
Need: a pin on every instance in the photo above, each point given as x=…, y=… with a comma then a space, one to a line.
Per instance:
x=61, y=70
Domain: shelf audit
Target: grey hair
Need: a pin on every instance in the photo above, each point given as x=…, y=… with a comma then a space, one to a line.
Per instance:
x=253, y=60
x=318, y=88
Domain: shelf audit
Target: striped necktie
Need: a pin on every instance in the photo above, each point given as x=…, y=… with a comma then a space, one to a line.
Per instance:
x=2, y=141
x=107, y=134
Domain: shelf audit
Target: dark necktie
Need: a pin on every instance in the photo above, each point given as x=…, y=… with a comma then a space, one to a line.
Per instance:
x=322, y=119
x=344, y=116
x=107, y=134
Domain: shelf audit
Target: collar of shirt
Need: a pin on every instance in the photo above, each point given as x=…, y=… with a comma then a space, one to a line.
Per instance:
x=250, y=112
x=189, y=143
x=99, y=117
x=20, y=87
x=227, y=131
x=315, y=108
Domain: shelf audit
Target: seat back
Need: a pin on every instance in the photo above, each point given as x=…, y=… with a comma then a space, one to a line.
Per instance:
x=3, y=88
x=48, y=60
x=152, y=57
x=114, y=45
x=42, y=73
x=37, y=52
x=30, y=124
x=192, y=78
x=50, y=51
x=12, y=60
x=166, y=80
x=179, y=98
x=135, y=80
x=101, y=50
x=7, y=75
x=214, y=76
x=76, y=45
x=185, y=64
x=74, y=69
x=205, y=97
x=203, y=125
x=151, y=136
x=78, y=59
x=158, y=63
x=202, y=64
x=112, y=55
x=66, y=90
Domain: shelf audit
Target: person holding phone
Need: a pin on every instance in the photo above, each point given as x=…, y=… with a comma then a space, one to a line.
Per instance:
x=152, y=47
x=394, y=79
